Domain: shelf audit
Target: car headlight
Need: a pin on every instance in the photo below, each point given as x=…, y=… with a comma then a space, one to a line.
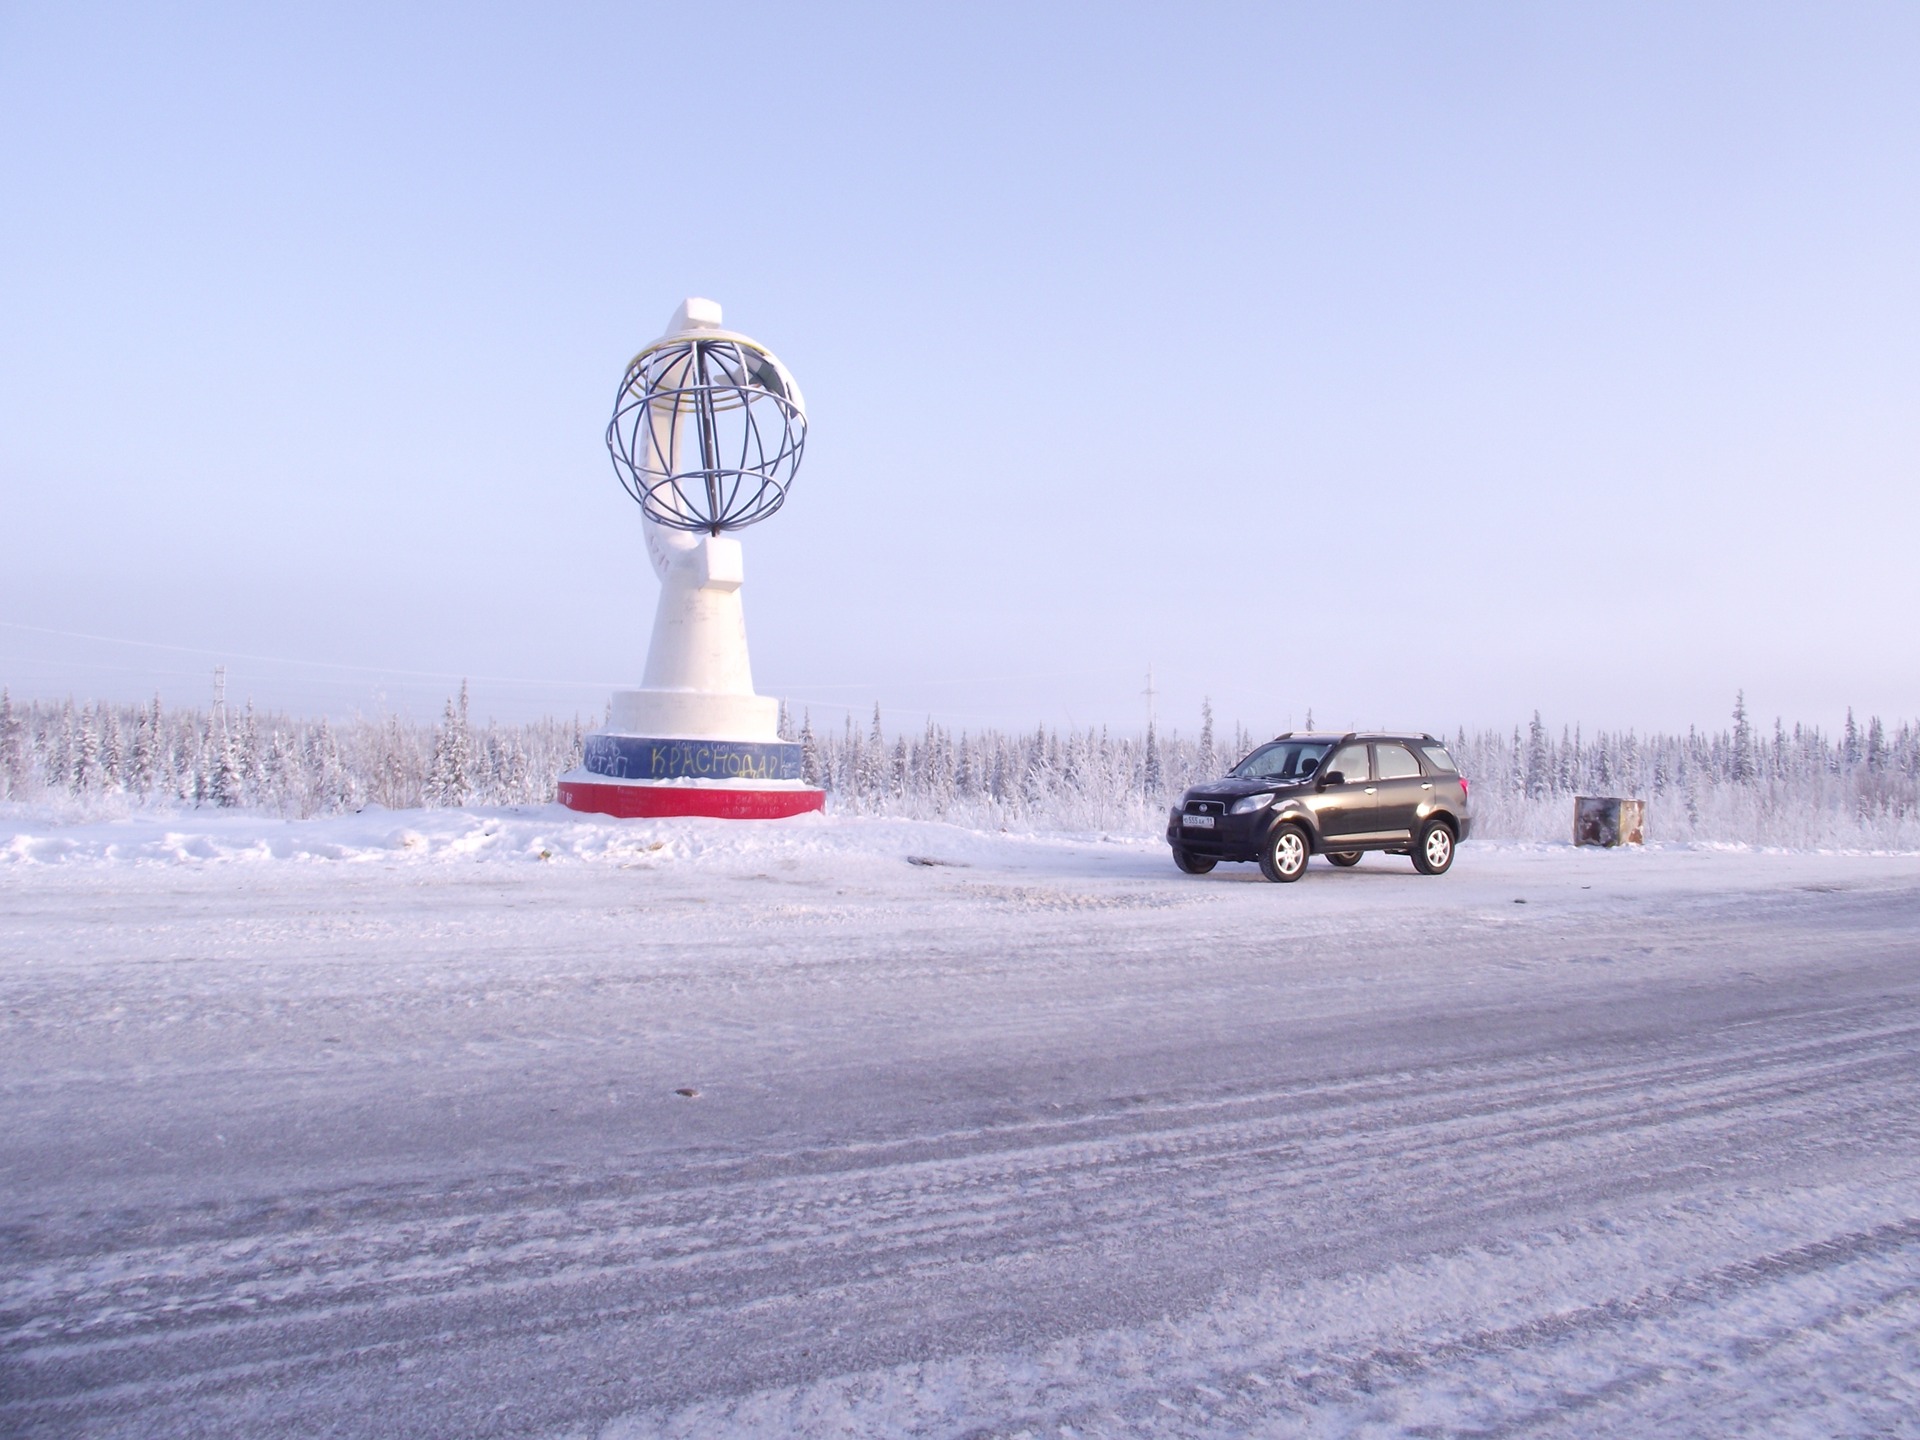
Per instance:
x=1251, y=803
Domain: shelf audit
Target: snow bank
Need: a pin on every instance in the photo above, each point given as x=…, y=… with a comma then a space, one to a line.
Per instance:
x=530, y=834
x=550, y=834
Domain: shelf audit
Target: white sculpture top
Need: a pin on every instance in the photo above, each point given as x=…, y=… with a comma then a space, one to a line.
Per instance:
x=700, y=390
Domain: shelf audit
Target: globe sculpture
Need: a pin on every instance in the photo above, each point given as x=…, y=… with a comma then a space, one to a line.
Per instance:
x=707, y=432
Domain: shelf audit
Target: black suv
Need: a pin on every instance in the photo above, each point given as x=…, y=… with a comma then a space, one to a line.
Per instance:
x=1335, y=795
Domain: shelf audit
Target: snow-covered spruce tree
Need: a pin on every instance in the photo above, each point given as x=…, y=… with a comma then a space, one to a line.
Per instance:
x=966, y=776
x=1744, y=769
x=521, y=788
x=1204, y=762
x=223, y=770
x=141, y=752
x=868, y=762
x=933, y=767
x=200, y=787
x=450, y=779
x=1075, y=761
x=248, y=757
x=173, y=749
x=809, y=751
x=58, y=739
x=87, y=776
x=1150, y=768
x=335, y=787
x=1539, y=763
x=1691, y=784
x=1037, y=780
x=279, y=784
x=166, y=768
x=112, y=758
x=13, y=749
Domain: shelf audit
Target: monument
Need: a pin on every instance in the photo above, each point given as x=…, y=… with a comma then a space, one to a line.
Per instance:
x=706, y=435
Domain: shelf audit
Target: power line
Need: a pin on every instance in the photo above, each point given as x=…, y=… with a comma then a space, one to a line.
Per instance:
x=306, y=664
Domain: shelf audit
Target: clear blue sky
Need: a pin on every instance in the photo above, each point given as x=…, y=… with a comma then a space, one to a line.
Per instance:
x=1417, y=364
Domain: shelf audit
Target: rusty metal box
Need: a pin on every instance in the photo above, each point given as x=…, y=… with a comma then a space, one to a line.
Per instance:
x=1609, y=820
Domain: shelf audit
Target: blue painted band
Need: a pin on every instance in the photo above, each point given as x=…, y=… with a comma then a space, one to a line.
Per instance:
x=633, y=757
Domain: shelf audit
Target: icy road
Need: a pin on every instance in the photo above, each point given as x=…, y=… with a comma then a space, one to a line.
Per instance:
x=349, y=1128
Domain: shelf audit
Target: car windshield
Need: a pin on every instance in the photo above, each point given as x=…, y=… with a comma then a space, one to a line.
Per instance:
x=1283, y=760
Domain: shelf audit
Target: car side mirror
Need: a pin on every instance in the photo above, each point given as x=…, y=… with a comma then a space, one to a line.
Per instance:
x=1333, y=777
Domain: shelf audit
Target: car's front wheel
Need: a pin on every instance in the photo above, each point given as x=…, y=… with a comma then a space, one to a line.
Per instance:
x=1344, y=858
x=1433, y=851
x=1284, y=855
x=1191, y=864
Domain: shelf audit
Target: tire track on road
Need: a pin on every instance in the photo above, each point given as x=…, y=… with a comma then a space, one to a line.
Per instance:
x=1309, y=1166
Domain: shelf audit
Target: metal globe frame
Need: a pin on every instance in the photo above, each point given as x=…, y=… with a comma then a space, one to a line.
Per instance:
x=724, y=399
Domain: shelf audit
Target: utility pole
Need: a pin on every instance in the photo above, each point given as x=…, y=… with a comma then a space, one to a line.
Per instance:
x=1150, y=693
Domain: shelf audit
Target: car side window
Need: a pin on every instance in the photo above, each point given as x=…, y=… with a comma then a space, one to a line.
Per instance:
x=1350, y=761
x=1442, y=761
x=1396, y=762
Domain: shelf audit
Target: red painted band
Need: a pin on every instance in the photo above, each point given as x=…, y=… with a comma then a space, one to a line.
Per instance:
x=637, y=802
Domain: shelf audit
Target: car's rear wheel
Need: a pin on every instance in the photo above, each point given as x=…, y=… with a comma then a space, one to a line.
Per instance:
x=1344, y=858
x=1283, y=857
x=1433, y=851
x=1192, y=864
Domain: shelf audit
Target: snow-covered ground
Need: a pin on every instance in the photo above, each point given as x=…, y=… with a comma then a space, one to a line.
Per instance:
x=373, y=1126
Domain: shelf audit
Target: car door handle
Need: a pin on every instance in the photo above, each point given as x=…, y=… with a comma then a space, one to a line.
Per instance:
x=1427, y=786
x=1372, y=790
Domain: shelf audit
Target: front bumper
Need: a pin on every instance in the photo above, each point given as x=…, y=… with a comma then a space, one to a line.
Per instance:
x=1232, y=837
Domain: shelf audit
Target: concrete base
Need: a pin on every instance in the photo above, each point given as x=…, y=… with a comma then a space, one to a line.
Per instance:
x=643, y=799
x=692, y=714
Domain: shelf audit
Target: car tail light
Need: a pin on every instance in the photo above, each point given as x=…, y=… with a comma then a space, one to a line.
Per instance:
x=1463, y=787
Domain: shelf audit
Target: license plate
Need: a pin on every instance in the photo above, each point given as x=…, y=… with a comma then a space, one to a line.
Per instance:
x=1197, y=822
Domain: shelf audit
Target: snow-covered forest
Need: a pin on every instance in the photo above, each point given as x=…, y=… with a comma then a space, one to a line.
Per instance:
x=1740, y=784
